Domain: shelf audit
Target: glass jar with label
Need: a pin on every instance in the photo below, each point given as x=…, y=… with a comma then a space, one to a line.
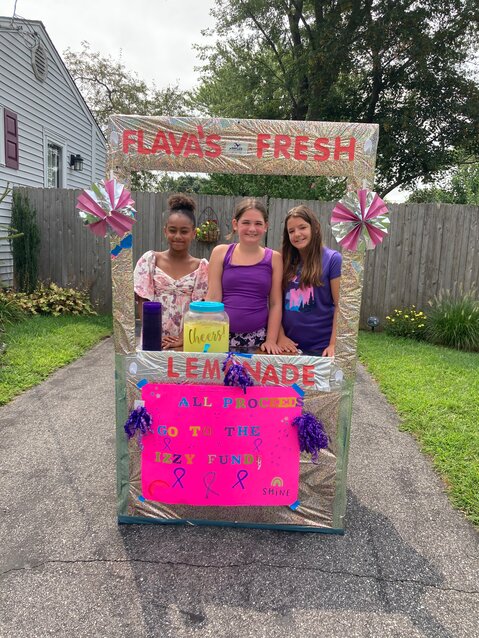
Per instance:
x=206, y=327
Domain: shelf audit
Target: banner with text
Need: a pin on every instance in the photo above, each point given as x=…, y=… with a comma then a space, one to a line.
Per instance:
x=223, y=145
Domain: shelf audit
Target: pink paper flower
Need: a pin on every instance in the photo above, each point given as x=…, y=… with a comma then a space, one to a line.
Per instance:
x=107, y=206
x=360, y=220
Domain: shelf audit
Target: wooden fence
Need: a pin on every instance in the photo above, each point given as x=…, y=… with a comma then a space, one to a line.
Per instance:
x=430, y=247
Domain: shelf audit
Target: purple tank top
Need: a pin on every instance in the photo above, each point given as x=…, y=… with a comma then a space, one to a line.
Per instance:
x=246, y=292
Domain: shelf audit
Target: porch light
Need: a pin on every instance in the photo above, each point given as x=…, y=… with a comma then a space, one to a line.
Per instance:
x=76, y=162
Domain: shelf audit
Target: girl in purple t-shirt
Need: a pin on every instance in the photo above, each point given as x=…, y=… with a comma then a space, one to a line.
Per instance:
x=247, y=278
x=311, y=275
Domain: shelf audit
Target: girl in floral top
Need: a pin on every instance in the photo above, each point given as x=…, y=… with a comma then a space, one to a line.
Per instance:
x=173, y=277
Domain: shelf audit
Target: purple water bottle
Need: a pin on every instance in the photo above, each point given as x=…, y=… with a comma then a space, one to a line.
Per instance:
x=151, y=333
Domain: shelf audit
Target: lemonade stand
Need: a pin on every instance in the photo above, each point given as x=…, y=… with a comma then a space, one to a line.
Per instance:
x=218, y=435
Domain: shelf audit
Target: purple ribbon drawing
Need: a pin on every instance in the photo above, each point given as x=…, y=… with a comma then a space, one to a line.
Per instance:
x=241, y=475
x=210, y=483
x=179, y=474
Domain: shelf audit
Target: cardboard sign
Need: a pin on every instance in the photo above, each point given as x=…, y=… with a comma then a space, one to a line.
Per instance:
x=215, y=445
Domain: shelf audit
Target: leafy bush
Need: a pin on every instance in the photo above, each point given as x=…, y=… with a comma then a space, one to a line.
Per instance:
x=10, y=310
x=454, y=322
x=50, y=299
x=26, y=246
x=406, y=322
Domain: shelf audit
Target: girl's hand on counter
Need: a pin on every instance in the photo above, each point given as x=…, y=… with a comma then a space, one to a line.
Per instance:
x=270, y=347
x=329, y=351
x=287, y=345
x=170, y=343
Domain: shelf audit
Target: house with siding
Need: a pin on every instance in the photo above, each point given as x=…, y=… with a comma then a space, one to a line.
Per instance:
x=48, y=136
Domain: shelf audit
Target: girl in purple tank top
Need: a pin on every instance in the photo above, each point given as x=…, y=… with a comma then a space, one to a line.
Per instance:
x=247, y=278
x=310, y=286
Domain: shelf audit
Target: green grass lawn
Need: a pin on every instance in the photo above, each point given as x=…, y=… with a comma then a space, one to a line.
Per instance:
x=41, y=344
x=435, y=391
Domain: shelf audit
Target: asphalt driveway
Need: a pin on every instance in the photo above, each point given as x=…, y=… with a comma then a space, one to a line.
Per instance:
x=408, y=565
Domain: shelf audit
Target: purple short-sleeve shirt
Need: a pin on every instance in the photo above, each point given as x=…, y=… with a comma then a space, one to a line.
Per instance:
x=308, y=312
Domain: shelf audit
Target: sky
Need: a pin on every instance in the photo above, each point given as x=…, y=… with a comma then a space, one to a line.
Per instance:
x=155, y=38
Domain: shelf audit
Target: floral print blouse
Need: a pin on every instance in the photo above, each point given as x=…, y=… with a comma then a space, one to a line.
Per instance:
x=154, y=284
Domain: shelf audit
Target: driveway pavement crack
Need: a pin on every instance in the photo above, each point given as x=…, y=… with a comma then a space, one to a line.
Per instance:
x=329, y=572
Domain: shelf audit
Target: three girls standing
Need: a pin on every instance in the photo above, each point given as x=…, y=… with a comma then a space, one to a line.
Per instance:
x=278, y=303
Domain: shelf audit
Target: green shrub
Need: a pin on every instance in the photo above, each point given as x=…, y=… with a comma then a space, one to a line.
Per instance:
x=10, y=310
x=454, y=322
x=26, y=246
x=406, y=322
x=50, y=299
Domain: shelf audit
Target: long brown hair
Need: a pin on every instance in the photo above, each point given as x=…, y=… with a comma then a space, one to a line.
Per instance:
x=311, y=266
x=248, y=203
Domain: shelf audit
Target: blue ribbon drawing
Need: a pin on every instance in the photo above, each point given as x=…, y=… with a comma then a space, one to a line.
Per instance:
x=126, y=242
x=241, y=475
x=210, y=483
x=166, y=442
x=179, y=474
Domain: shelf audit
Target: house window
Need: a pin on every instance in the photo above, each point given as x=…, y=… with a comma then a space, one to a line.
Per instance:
x=10, y=124
x=54, y=165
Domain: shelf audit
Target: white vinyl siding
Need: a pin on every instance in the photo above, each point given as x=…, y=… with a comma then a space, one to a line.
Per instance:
x=50, y=110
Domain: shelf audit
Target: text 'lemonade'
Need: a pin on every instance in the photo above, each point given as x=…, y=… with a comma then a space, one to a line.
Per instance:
x=206, y=327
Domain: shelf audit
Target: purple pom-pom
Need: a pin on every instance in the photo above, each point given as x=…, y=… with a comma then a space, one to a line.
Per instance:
x=138, y=424
x=312, y=436
x=236, y=375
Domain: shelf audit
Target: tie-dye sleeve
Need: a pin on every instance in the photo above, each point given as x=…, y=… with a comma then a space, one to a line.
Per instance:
x=201, y=283
x=143, y=276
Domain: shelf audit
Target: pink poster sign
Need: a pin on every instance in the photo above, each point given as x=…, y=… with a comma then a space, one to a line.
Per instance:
x=215, y=445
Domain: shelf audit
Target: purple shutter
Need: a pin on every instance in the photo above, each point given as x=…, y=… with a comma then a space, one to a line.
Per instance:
x=11, y=139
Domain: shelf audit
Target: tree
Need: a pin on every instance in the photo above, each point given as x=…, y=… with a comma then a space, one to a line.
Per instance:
x=400, y=64
x=165, y=182
x=109, y=88
x=26, y=247
x=461, y=188
x=286, y=187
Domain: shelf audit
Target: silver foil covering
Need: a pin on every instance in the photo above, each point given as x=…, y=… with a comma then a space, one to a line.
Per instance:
x=321, y=487
x=244, y=146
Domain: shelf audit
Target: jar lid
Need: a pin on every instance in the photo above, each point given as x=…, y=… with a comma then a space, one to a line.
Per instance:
x=152, y=307
x=207, y=306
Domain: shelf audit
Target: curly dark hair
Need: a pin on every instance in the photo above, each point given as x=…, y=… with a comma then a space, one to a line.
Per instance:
x=180, y=203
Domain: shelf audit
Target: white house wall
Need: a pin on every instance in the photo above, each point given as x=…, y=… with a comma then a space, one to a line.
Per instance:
x=51, y=109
